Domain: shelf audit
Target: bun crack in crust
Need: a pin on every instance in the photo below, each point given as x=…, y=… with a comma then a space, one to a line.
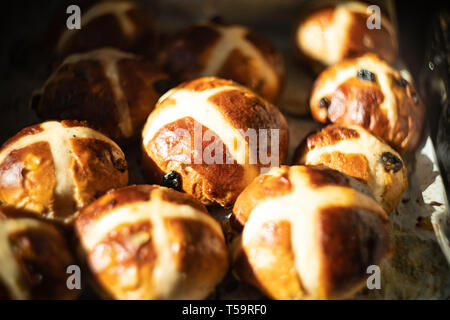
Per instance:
x=366, y=91
x=227, y=51
x=120, y=24
x=151, y=242
x=212, y=117
x=308, y=233
x=34, y=258
x=55, y=168
x=331, y=34
x=354, y=151
x=113, y=90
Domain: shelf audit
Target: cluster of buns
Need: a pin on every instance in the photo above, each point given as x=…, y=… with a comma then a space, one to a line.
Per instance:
x=308, y=231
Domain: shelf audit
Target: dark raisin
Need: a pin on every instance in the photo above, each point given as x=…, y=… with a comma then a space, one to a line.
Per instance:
x=172, y=179
x=366, y=75
x=80, y=74
x=324, y=103
x=112, y=204
x=415, y=97
x=120, y=164
x=161, y=86
x=391, y=162
x=402, y=82
x=217, y=19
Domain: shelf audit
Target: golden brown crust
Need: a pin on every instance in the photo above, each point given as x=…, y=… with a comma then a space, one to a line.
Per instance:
x=354, y=165
x=202, y=84
x=39, y=257
x=342, y=235
x=117, y=198
x=249, y=59
x=97, y=160
x=59, y=168
x=220, y=182
x=108, y=88
x=276, y=239
x=195, y=239
x=380, y=100
x=170, y=146
x=267, y=186
x=151, y=242
x=26, y=177
x=327, y=35
x=317, y=237
x=360, y=155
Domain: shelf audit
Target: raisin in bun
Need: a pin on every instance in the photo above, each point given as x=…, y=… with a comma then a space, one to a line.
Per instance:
x=55, y=168
x=34, y=258
x=121, y=24
x=211, y=132
x=113, y=90
x=227, y=51
x=366, y=91
x=327, y=35
x=151, y=242
x=355, y=151
x=308, y=233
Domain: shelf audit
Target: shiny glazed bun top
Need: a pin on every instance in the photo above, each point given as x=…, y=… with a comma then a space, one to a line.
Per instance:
x=227, y=51
x=213, y=137
x=330, y=34
x=368, y=92
x=151, y=242
x=113, y=90
x=356, y=152
x=308, y=233
x=55, y=168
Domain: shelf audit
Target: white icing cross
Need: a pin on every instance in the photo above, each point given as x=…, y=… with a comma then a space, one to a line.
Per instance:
x=197, y=106
x=156, y=210
x=233, y=37
x=108, y=58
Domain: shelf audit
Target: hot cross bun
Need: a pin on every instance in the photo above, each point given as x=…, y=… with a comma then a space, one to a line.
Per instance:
x=210, y=136
x=327, y=35
x=55, y=168
x=356, y=152
x=308, y=233
x=113, y=90
x=152, y=242
x=366, y=91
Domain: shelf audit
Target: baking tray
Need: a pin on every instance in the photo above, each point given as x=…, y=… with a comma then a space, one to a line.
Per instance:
x=420, y=267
